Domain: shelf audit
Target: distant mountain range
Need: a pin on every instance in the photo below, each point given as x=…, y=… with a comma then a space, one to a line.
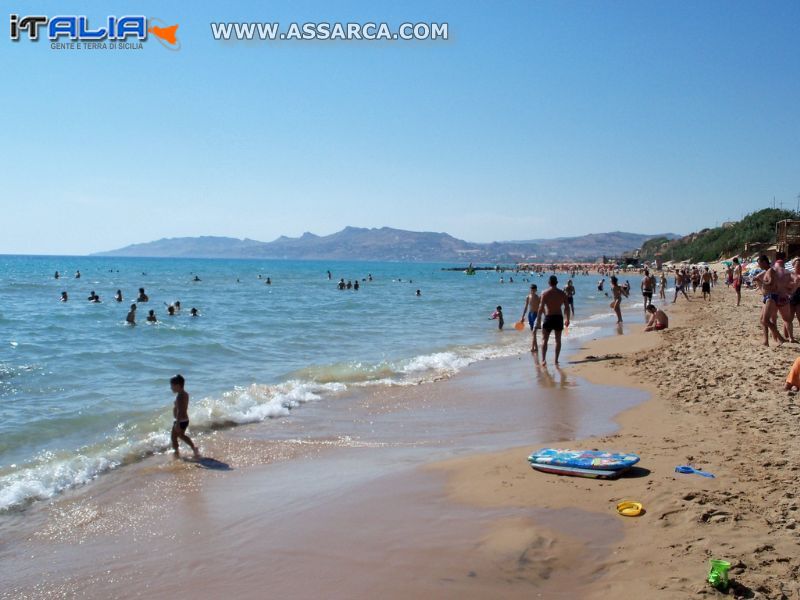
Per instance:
x=387, y=244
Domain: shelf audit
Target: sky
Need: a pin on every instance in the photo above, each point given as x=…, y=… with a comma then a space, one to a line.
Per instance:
x=535, y=119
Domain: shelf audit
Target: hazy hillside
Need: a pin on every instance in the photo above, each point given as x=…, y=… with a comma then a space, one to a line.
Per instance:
x=387, y=244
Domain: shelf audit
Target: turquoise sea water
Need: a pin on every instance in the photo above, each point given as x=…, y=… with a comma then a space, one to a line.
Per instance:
x=81, y=392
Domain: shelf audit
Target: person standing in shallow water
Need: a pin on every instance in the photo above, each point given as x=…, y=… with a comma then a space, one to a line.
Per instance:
x=180, y=412
x=531, y=307
x=552, y=301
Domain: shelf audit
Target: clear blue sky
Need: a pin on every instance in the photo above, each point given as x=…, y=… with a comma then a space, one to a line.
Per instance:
x=536, y=119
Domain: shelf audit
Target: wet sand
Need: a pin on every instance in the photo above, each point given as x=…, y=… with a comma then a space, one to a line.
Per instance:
x=335, y=502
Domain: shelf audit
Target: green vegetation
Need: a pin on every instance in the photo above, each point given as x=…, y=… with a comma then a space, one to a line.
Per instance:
x=720, y=242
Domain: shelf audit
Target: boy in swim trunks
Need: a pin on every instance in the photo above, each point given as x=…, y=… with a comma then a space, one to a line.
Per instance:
x=531, y=307
x=658, y=319
x=180, y=412
x=553, y=299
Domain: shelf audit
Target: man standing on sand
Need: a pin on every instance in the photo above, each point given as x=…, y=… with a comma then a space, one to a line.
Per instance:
x=737, y=280
x=552, y=300
x=531, y=307
x=766, y=280
x=180, y=412
x=705, y=279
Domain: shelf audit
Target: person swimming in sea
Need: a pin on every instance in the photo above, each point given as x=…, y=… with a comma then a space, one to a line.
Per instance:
x=268, y=281
x=93, y=297
x=171, y=310
x=77, y=274
x=419, y=293
x=131, y=318
x=177, y=306
x=118, y=296
x=180, y=412
x=196, y=278
x=57, y=275
x=356, y=285
x=341, y=284
x=64, y=297
x=194, y=312
x=142, y=296
x=151, y=317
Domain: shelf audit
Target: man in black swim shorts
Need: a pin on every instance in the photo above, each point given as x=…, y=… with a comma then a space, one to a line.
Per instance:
x=552, y=302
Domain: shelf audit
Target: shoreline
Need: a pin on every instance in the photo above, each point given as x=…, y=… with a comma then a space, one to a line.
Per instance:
x=123, y=513
x=697, y=414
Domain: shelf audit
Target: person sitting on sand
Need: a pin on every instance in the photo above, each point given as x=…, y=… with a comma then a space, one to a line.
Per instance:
x=131, y=318
x=498, y=314
x=658, y=319
x=180, y=412
x=532, y=302
x=142, y=296
x=151, y=317
x=551, y=301
x=793, y=379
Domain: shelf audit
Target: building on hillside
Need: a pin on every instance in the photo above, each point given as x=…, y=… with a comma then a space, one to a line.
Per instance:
x=787, y=237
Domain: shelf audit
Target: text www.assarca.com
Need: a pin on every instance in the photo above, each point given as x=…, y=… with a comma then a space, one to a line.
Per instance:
x=266, y=31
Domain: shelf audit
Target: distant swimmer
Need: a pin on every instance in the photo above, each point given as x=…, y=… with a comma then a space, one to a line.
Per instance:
x=93, y=297
x=131, y=318
x=268, y=281
x=151, y=317
x=600, y=285
x=498, y=314
x=118, y=296
x=171, y=310
x=419, y=293
x=342, y=284
x=532, y=302
x=510, y=280
x=501, y=280
x=142, y=296
x=180, y=412
x=57, y=275
x=64, y=297
x=369, y=277
x=196, y=278
x=553, y=299
x=658, y=319
x=177, y=306
x=194, y=312
x=356, y=285
x=77, y=274
x=349, y=285
x=329, y=276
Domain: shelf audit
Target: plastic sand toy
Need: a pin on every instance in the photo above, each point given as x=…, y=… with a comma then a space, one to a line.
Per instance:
x=718, y=574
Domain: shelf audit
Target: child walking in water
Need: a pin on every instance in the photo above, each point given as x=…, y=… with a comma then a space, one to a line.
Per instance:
x=180, y=412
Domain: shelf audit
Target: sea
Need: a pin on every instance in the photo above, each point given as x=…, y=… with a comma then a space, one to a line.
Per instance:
x=82, y=393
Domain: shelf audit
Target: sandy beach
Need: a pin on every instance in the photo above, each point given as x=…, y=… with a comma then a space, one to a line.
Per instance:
x=717, y=404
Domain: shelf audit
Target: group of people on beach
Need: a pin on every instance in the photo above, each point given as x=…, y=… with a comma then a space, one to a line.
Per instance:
x=780, y=289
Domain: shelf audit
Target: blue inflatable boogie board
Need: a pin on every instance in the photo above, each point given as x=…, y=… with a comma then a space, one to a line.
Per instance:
x=582, y=463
